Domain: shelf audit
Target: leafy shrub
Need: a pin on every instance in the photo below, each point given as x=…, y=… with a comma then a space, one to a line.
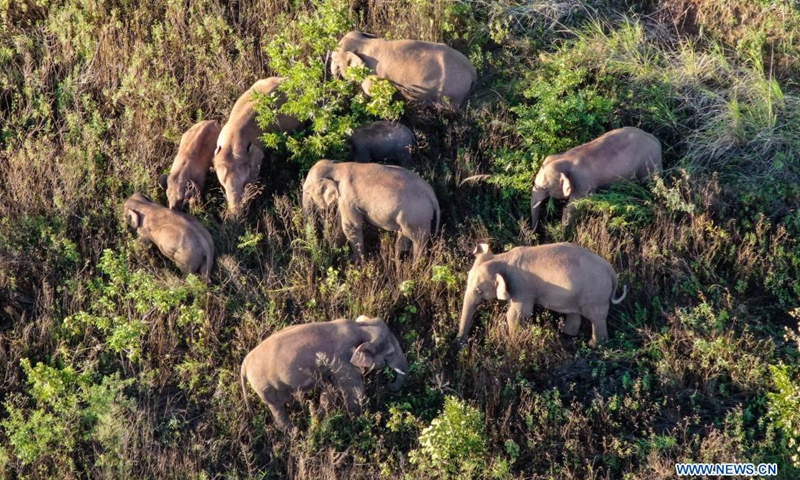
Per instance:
x=455, y=444
x=79, y=421
x=784, y=409
x=331, y=107
x=137, y=294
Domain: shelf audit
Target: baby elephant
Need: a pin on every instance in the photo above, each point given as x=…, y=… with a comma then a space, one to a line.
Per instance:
x=189, y=169
x=180, y=237
x=295, y=358
x=386, y=196
x=382, y=141
x=561, y=276
x=623, y=154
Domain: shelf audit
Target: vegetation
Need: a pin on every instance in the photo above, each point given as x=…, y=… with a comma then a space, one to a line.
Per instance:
x=114, y=365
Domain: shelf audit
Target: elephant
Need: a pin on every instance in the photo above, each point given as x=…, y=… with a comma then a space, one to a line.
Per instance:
x=187, y=176
x=560, y=276
x=239, y=152
x=386, y=196
x=382, y=141
x=623, y=154
x=297, y=357
x=430, y=73
x=178, y=236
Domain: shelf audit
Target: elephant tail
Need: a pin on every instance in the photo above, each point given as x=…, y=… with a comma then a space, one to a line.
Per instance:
x=242, y=378
x=616, y=301
x=437, y=213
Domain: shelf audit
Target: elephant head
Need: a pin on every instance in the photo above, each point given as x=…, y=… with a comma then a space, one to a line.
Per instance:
x=320, y=188
x=341, y=60
x=486, y=281
x=132, y=211
x=178, y=192
x=551, y=181
x=235, y=170
x=381, y=349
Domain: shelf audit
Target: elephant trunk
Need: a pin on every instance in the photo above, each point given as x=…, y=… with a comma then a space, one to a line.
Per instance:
x=399, y=364
x=467, y=312
x=234, y=198
x=537, y=197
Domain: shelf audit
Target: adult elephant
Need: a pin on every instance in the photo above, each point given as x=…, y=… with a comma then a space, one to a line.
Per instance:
x=561, y=276
x=240, y=153
x=386, y=196
x=623, y=154
x=295, y=358
x=426, y=72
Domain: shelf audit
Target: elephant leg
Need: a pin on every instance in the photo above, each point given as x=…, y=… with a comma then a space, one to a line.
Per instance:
x=347, y=379
x=351, y=225
x=276, y=401
x=572, y=324
x=516, y=312
x=401, y=245
x=598, y=318
x=569, y=212
x=420, y=240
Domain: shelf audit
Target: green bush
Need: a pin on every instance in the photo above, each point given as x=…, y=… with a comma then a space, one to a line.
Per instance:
x=137, y=294
x=79, y=420
x=331, y=107
x=455, y=444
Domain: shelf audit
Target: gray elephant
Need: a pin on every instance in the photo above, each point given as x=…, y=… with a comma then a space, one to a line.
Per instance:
x=382, y=141
x=430, y=73
x=386, y=196
x=623, y=154
x=239, y=152
x=187, y=177
x=294, y=358
x=178, y=236
x=561, y=276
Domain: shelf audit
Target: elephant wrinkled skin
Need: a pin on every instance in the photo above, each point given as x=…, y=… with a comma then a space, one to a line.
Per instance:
x=178, y=236
x=239, y=152
x=430, y=73
x=187, y=177
x=561, y=276
x=386, y=196
x=382, y=141
x=295, y=358
x=623, y=154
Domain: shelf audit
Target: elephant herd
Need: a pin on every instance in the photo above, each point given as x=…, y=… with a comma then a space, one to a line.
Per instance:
x=562, y=277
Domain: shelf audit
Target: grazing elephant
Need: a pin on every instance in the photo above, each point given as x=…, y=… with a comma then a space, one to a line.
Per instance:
x=382, y=141
x=239, y=152
x=295, y=358
x=431, y=73
x=386, y=196
x=623, y=154
x=561, y=276
x=180, y=237
x=189, y=169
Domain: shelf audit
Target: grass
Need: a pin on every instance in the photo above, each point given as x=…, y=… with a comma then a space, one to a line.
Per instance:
x=114, y=365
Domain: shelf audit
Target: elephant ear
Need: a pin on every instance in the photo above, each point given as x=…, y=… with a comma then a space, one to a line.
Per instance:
x=364, y=356
x=481, y=248
x=566, y=185
x=133, y=218
x=329, y=191
x=162, y=181
x=256, y=157
x=502, y=288
x=354, y=60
